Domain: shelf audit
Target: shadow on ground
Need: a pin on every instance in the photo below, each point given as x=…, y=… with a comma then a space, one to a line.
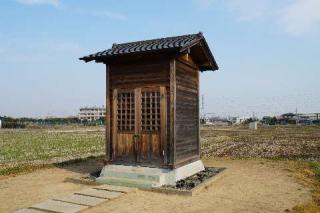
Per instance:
x=82, y=166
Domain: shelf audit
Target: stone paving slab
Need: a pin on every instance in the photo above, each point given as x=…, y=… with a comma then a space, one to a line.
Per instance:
x=29, y=211
x=58, y=206
x=115, y=188
x=100, y=193
x=82, y=199
x=79, y=201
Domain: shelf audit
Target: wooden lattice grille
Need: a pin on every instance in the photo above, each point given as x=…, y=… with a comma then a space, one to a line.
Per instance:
x=126, y=112
x=150, y=111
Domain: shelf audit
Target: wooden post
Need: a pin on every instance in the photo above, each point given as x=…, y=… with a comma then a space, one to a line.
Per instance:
x=108, y=138
x=198, y=123
x=163, y=123
x=137, y=125
x=115, y=122
x=172, y=112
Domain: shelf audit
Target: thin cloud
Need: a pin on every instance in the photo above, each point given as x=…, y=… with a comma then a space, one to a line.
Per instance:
x=295, y=17
x=300, y=17
x=109, y=15
x=54, y=3
x=245, y=10
x=36, y=51
x=248, y=10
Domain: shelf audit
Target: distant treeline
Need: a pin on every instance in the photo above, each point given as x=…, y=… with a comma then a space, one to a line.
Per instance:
x=287, y=120
x=9, y=122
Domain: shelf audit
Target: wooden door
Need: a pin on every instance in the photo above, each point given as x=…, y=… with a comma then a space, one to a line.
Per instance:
x=123, y=135
x=139, y=127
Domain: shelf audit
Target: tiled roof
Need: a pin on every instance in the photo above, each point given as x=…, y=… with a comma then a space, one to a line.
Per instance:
x=176, y=43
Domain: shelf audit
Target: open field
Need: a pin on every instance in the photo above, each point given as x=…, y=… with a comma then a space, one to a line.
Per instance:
x=21, y=147
x=276, y=142
x=273, y=165
x=42, y=146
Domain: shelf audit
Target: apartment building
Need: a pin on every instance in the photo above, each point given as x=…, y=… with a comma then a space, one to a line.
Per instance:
x=92, y=113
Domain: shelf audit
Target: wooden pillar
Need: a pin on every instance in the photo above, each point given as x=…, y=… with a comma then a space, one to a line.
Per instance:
x=108, y=138
x=163, y=123
x=137, y=124
x=198, y=123
x=172, y=112
x=114, y=123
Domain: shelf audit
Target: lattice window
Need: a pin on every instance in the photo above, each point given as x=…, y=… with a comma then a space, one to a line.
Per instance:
x=150, y=108
x=125, y=113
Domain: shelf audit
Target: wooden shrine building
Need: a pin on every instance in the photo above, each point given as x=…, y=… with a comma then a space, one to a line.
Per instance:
x=152, y=100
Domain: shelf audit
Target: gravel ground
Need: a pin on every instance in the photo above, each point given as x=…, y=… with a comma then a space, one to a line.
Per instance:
x=194, y=180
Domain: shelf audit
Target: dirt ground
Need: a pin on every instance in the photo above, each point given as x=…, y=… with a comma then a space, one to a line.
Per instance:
x=28, y=189
x=246, y=186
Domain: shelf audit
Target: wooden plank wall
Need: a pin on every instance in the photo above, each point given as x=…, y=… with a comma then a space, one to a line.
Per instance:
x=143, y=74
x=187, y=113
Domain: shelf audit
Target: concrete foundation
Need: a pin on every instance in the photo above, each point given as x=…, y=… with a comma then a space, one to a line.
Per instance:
x=145, y=177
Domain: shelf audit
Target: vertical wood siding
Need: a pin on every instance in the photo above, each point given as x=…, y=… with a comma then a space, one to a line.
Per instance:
x=187, y=112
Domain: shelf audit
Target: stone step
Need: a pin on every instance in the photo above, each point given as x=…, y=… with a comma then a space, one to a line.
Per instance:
x=99, y=193
x=29, y=211
x=59, y=206
x=128, y=182
x=113, y=188
x=81, y=199
x=145, y=176
x=138, y=169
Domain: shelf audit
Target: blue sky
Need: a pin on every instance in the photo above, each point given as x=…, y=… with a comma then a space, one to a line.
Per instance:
x=268, y=51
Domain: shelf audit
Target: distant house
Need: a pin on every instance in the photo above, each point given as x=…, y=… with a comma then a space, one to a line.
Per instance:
x=305, y=121
x=239, y=120
x=219, y=121
x=310, y=116
x=92, y=113
x=301, y=118
x=287, y=118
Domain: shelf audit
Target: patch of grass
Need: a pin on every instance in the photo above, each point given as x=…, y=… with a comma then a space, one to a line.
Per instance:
x=28, y=150
x=308, y=208
x=26, y=168
x=34, y=145
x=23, y=168
x=309, y=174
x=316, y=169
x=78, y=160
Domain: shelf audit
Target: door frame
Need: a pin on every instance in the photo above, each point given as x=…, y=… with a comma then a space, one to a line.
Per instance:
x=138, y=128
